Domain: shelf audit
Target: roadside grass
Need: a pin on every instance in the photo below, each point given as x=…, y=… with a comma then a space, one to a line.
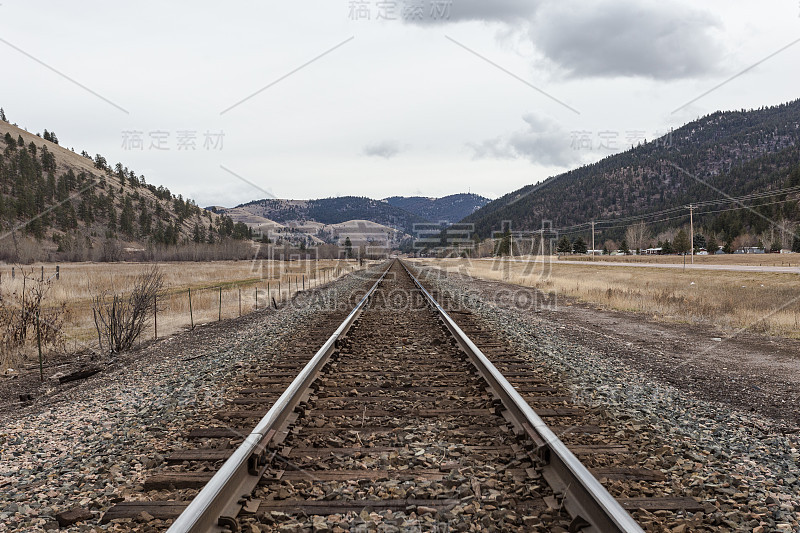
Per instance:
x=766, y=303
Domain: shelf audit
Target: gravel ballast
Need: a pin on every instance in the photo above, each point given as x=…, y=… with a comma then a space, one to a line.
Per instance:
x=84, y=448
x=741, y=465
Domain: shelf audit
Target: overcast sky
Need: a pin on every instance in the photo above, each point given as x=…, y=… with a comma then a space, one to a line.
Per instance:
x=309, y=99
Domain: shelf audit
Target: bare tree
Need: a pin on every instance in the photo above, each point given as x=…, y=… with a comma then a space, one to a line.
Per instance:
x=120, y=319
x=637, y=236
x=23, y=313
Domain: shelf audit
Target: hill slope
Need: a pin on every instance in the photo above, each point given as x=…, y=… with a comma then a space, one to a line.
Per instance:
x=731, y=152
x=450, y=209
x=72, y=204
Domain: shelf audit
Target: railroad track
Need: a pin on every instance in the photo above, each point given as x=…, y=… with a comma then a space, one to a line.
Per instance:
x=408, y=418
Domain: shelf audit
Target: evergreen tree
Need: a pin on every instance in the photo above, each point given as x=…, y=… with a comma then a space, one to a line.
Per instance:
x=504, y=248
x=127, y=217
x=348, y=248
x=3, y=115
x=681, y=244
x=796, y=243
x=728, y=247
x=712, y=246
x=699, y=241
x=667, y=248
x=579, y=246
x=624, y=247
x=564, y=245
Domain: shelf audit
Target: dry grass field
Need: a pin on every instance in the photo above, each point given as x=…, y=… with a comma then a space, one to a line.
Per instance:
x=792, y=260
x=241, y=284
x=766, y=303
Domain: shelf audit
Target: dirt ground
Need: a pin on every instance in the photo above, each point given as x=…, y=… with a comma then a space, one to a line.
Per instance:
x=746, y=371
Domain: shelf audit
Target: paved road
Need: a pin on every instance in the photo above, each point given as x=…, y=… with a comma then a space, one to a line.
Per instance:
x=697, y=266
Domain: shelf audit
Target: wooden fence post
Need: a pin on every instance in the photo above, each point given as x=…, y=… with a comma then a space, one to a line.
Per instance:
x=304, y=282
x=256, y=298
x=58, y=272
x=155, y=317
x=191, y=316
x=39, y=344
x=220, y=305
x=240, y=302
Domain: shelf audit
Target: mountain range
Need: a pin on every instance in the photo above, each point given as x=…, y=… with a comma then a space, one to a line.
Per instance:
x=727, y=153
x=363, y=220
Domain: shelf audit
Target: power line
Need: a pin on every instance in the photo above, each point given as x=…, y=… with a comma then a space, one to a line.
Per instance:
x=624, y=221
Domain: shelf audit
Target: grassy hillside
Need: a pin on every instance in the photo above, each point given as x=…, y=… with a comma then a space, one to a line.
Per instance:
x=59, y=205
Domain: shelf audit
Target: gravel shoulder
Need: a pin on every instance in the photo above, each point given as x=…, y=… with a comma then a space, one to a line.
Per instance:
x=88, y=444
x=734, y=446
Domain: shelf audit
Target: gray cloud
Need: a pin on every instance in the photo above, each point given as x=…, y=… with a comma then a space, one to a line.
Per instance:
x=494, y=10
x=635, y=38
x=627, y=38
x=542, y=142
x=385, y=149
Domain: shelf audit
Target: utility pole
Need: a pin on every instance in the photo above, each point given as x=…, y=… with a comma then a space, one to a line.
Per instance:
x=592, y=240
x=691, y=228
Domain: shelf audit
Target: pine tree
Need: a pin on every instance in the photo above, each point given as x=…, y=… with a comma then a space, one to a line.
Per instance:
x=711, y=245
x=564, y=245
x=504, y=248
x=681, y=244
x=624, y=247
x=579, y=246
x=3, y=115
x=348, y=248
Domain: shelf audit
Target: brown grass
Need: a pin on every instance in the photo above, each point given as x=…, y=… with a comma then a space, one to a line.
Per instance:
x=792, y=260
x=79, y=282
x=766, y=303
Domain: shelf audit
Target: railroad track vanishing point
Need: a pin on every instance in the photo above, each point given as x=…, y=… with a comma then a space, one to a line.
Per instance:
x=401, y=420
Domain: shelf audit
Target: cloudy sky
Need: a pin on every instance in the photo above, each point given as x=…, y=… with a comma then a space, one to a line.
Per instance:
x=225, y=102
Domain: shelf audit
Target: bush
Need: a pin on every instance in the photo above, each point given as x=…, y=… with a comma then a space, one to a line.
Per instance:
x=121, y=319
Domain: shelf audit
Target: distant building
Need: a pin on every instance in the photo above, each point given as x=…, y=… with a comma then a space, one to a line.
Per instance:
x=749, y=250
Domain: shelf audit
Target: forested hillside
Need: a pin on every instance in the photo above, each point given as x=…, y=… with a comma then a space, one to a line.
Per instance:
x=334, y=211
x=56, y=204
x=450, y=209
x=726, y=153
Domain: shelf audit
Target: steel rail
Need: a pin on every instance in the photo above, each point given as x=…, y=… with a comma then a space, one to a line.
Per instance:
x=592, y=508
x=217, y=505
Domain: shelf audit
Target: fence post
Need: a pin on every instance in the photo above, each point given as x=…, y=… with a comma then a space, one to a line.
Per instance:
x=39, y=345
x=304, y=282
x=58, y=272
x=240, y=302
x=191, y=316
x=220, y=305
x=42, y=272
x=155, y=317
x=256, y=298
